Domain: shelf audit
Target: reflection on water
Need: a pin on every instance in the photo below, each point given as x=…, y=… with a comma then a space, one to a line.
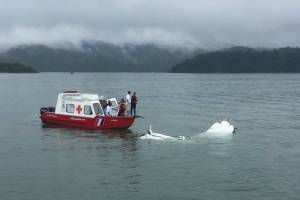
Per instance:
x=112, y=154
x=122, y=133
x=115, y=139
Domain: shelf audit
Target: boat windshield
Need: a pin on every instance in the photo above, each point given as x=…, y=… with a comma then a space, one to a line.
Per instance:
x=97, y=109
x=114, y=105
x=103, y=103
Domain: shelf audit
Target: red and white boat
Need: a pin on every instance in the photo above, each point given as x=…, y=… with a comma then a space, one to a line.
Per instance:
x=87, y=111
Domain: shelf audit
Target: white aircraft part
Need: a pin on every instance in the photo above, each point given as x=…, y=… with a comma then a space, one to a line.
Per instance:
x=218, y=129
x=223, y=127
x=158, y=136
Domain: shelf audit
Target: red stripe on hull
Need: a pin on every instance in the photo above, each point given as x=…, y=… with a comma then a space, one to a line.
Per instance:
x=99, y=122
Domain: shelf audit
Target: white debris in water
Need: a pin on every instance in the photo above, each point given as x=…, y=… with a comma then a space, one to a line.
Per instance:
x=223, y=127
x=218, y=129
x=158, y=136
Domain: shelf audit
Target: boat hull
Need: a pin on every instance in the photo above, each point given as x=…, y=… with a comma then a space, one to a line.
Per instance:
x=99, y=122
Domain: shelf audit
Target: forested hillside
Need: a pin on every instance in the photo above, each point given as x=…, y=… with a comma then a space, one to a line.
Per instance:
x=98, y=57
x=243, y=60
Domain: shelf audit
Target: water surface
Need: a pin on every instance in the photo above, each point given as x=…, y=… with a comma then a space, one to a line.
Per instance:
x=261, y=161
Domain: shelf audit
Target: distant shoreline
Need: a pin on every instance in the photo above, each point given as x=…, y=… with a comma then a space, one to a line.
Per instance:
x=104, y=57
x=243, y=60
x=16, y=68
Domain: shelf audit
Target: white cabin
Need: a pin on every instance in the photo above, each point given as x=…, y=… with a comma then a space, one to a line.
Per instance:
x=83, y=105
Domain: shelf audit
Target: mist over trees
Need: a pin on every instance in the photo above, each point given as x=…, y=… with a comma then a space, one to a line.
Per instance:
x=106, y=57
x=98, y=57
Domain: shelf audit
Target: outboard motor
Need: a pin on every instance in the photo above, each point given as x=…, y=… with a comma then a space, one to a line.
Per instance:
x=51, y=109
x=47, y=109
x=43, y=110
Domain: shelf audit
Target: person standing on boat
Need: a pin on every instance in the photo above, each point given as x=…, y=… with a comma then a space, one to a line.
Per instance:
x=134, y=101
x=122, y=108
x=128, y=101
x=109, y=110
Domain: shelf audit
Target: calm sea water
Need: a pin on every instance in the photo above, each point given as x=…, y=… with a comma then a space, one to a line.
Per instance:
x=261, y=161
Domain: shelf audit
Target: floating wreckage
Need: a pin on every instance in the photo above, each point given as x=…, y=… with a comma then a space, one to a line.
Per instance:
x=223, y=127
x=158, y=136
x=218, y=129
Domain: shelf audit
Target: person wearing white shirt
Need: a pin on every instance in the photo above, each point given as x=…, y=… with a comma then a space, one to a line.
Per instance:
x=109, y=110
x=128, y=102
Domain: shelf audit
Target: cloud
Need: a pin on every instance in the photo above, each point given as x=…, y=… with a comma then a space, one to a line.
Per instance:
x=190, y=23
x=51, y=36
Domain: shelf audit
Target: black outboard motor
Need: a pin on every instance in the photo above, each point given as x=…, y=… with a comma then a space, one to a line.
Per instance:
x=51, y=109
x=43, y=110
x=47, y=109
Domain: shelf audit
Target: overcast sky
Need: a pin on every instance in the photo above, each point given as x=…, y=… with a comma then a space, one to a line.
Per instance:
x=188, y=23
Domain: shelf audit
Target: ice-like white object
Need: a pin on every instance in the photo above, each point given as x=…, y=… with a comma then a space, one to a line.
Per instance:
x=223, y=128
x=158, y=136
x=218, y=129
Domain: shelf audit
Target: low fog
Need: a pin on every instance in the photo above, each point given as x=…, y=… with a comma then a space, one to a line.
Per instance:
x=209, y=24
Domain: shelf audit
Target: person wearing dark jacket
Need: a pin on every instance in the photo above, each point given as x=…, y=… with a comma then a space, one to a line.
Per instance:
x=134, y=101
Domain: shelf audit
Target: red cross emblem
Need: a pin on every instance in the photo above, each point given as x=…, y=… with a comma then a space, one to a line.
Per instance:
x=78, y=109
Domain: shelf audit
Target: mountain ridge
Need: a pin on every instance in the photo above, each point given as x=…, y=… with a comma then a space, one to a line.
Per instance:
x=98, y=57
x=243, y=60
x=15, y=68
